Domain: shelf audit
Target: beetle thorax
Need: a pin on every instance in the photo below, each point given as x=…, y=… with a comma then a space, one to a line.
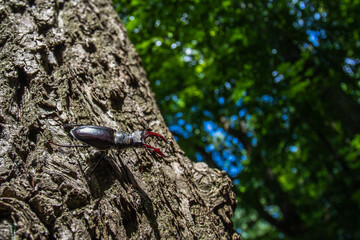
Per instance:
x=122, y=140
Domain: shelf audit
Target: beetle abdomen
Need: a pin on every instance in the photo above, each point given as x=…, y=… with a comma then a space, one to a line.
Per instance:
x=96, y=136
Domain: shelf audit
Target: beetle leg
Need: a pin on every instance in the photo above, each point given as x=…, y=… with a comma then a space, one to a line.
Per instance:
x=156, y=150
x=72, y=125
x=66, y=145
x=96, y=165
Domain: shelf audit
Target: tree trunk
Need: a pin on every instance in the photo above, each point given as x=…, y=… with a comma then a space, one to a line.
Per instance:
x=72, y=62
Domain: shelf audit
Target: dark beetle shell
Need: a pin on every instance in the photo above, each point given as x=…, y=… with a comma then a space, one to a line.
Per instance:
x=96, y=136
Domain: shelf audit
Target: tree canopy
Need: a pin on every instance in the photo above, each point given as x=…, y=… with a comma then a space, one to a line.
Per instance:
x=268, y=91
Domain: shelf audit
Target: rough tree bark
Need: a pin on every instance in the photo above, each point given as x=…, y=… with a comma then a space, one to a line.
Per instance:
x=71, y=61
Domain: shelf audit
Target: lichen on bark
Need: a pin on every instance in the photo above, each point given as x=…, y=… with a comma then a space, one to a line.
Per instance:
x=72, y=62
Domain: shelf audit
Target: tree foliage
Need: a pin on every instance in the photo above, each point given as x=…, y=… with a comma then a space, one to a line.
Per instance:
x=269, y=92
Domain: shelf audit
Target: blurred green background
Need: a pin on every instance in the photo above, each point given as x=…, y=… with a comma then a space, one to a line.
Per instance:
x=268, y=91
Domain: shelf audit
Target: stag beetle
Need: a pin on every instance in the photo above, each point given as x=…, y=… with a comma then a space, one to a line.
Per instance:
x=104, y=138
